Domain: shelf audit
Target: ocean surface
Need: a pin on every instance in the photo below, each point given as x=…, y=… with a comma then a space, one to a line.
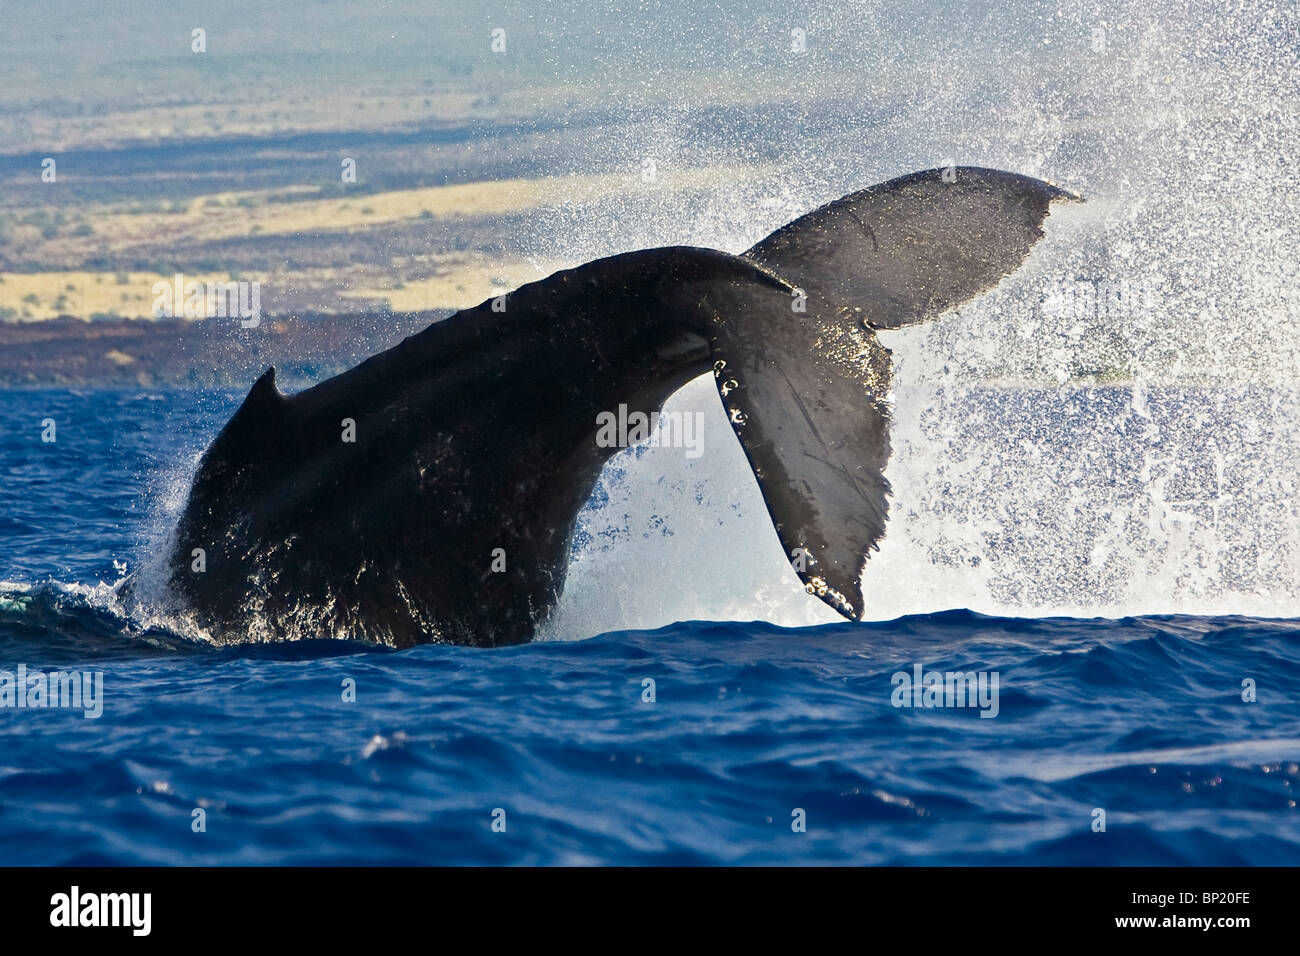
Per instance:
x=697, y=743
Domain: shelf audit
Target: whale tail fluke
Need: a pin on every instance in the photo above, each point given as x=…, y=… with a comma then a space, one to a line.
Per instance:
x=807, y=391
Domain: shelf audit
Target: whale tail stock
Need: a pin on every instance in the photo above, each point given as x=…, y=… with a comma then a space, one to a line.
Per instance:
x=429, y=494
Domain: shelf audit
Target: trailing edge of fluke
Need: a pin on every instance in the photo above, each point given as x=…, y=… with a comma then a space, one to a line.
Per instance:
x=448, y=515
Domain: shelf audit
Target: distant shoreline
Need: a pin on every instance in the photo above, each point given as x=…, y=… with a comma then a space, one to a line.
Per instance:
x=68, y=352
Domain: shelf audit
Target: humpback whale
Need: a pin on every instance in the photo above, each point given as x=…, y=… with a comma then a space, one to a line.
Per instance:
x=429, y=494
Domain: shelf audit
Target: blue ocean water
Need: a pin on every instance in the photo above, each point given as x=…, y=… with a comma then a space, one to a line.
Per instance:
x=762, y=744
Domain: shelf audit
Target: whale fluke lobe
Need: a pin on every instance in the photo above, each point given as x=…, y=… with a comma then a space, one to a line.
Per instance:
x=430, y=493
x=912, y=248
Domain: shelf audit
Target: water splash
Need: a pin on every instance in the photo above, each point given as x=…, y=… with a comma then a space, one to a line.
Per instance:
x=1107, y=432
